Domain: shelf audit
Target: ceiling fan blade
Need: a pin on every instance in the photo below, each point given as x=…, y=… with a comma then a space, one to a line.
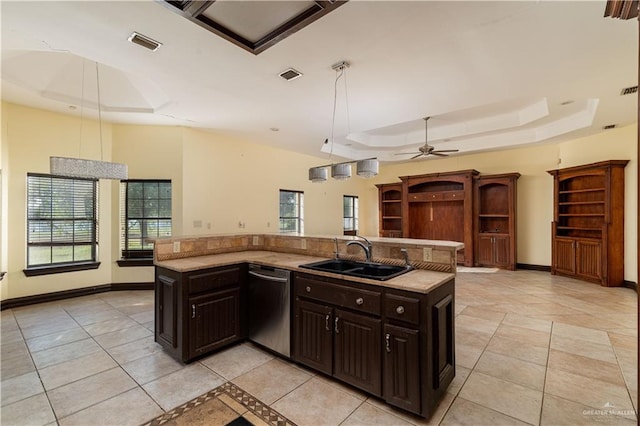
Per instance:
x=446, y=150
x=416, y=156
x=438, y=154
x=405, y=153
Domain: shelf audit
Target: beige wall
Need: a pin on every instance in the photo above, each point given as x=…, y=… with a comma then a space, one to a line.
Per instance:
x=31, y=136
x=535, y=186
x=222, y=181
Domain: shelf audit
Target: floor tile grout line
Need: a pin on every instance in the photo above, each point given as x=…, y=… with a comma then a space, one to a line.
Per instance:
x=546, y=372
x=624, y=379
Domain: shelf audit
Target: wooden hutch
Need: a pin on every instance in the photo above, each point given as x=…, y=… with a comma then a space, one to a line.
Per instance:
x=588, y=222
x=479, y=211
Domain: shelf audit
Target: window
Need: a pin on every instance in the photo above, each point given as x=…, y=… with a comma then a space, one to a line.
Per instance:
x=350, y=214
x=291, y=211
x=62, y=225
x=145, y=212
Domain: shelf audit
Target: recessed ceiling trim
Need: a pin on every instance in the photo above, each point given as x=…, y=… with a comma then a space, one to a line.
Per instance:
x=194, y=11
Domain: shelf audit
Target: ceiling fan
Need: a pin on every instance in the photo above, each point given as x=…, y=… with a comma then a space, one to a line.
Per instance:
x=427, y=149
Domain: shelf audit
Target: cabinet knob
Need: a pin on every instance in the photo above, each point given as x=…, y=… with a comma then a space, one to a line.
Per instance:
x=400, y=310
x=359, y=301
x=308, y=289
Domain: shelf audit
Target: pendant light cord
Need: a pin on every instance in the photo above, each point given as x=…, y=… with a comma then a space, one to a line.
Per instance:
x=333, y=118
x=81, y=112
x=99, y=109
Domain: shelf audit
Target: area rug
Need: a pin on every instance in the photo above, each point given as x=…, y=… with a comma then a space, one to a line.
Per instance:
x=211, y=410
x=476, y=270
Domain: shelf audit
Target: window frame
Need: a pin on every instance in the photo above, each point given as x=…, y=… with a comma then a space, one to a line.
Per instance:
x=141, y=257
x=64, y=266
x=354, y=212
x=299, y=210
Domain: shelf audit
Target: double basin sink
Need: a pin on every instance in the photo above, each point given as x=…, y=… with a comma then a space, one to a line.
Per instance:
x=374, y=271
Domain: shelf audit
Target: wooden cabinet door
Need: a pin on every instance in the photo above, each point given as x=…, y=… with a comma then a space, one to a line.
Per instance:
x=564, y=256
x=589, y=259
x=485, y=250
x=401, y=368
x=167, y=311
x=501, y=254
x=357, y=351
x=314, y=335
x=214, y=320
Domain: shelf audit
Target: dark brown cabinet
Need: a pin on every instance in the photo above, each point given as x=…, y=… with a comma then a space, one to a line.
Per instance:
x=588, y=222
x=401, y=381
x=390, y=209
x=200, y=311
x=335, y=341
x=391, y=343
x=495, y=199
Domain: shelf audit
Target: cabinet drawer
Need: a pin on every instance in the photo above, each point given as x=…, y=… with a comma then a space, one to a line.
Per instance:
x=402, y=308
x=425, y=196
x=198, y=282
x=338, y=295
x=453, y=195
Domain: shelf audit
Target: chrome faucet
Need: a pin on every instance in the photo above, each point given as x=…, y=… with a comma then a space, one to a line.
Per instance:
x=367, y=248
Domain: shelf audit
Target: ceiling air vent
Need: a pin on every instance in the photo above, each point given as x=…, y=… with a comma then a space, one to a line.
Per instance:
x=609, y=126
x=629, y=90
x=144, y=41
x=290, y=74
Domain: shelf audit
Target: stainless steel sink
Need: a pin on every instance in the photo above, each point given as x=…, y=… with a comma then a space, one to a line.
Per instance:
x=374, y=271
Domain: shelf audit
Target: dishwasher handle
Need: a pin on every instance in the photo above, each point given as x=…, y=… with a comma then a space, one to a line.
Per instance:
x=268, y=277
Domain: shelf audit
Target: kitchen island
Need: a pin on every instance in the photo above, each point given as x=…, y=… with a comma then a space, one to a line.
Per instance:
x=393, y=339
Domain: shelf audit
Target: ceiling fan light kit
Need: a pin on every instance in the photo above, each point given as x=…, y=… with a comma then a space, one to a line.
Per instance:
x=366, y=168
x=426, y=149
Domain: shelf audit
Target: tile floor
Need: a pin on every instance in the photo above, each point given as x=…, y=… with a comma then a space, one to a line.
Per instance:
x=531, y=348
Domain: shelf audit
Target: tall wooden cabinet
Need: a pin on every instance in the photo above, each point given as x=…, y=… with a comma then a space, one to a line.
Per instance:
x=588, y=222
x=495, y=220
x=390, y=209
x=439, y=206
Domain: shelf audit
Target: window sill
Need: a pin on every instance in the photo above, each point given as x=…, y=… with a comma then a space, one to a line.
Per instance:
x=58, y=269
x=125, y=263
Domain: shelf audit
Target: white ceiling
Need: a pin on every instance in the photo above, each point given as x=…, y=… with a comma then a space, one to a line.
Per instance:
x=490, y=74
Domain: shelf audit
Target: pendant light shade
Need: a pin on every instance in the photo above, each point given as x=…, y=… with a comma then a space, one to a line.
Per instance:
x=318, y=174
x=341, y=171
x=367, y=168
x=93, y=169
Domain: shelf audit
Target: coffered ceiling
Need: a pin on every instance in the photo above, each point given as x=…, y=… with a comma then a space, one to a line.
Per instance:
x=489, y=74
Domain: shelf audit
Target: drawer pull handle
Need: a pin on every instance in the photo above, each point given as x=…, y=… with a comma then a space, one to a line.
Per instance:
x=400, y=310
x=193, y=311
x=308, y=289
x=359, y=301
x=387, y=342
x=326, y=322
x=335, y=327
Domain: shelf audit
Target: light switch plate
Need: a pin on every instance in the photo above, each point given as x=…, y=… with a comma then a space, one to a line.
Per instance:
x=176, y=246
x=303, y=244
x=427, y=254
x=255, y=240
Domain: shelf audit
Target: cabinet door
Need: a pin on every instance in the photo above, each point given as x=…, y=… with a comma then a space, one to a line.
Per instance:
x=313, y=335
x=565, y=256
x=167, y=311
x=501, y=255
x=485, y=250
x=357, y=351
x=401, y=368
x=214, y=320
x=589, y=259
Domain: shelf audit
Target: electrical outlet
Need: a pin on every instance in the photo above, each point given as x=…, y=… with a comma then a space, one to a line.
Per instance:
x=255, y=240
x=197, y=224
x=427, y=254
x=303, y=244
x=176, y=246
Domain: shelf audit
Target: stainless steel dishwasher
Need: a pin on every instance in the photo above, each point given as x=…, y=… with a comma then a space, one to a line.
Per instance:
x=269, y=308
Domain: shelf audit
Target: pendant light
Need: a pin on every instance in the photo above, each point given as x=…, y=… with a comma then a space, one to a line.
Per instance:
x=91, y=169
x=366, y=168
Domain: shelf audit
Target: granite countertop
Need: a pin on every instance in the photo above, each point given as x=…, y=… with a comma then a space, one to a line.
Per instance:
x=418, y=280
